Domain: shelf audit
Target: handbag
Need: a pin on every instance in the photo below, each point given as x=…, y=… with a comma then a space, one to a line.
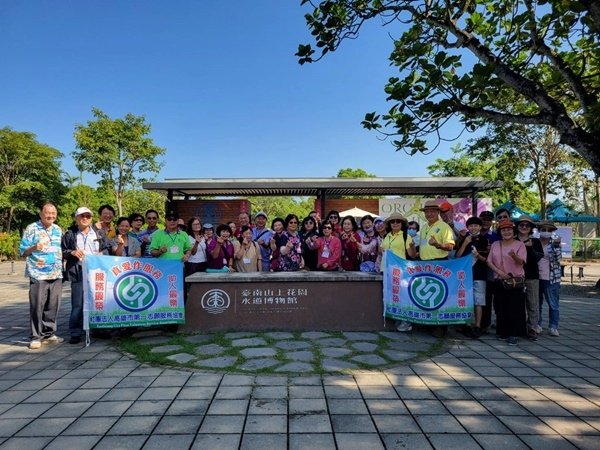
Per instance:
x=513, y=282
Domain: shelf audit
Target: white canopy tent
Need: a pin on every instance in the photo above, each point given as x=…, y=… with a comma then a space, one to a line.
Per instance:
x=356, y=213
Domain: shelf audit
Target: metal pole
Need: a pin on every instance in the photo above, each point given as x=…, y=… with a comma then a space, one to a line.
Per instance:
x=12, y=268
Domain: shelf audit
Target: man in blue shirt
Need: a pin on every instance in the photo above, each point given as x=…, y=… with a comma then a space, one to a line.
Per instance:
x=41, y=245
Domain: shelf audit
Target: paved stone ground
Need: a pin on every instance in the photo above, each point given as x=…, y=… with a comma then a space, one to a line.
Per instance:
x=479, y=394
x=284, y=352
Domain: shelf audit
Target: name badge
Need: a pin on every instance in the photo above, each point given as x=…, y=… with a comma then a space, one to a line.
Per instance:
x=247, y=260
x=174, y=249
x=325, y=253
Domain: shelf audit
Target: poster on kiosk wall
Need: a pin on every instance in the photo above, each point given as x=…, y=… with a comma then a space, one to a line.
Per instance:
x=129, y=292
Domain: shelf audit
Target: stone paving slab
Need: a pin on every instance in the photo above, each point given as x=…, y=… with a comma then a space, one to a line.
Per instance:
x=470, y=394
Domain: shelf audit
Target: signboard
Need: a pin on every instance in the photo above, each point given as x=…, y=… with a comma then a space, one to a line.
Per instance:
x=428, y=292
x=566, y=241
x=130, y=292
x=410, y=208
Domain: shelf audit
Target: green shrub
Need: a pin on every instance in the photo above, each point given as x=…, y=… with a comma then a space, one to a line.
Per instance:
x=9, y=245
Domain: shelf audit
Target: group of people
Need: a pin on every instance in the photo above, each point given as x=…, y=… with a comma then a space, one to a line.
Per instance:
x=290, y=244
x=514, y=270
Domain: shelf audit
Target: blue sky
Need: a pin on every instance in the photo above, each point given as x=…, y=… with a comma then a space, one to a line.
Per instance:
x=218, y=82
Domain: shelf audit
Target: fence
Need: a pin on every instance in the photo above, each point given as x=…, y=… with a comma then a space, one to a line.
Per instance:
x=586, y=248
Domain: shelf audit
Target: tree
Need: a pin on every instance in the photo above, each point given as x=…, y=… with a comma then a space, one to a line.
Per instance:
x=119, y=150
x=534, y=149
x=493, y=168
x=29, y=175
x=282, y=206
x=484, y=61
x=354, y=173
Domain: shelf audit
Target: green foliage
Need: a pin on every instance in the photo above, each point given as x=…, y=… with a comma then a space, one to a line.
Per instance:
x=493, y=168
x=534, y=151
x=354, y=173
x=140, y=201
x=29, y=175
x=9, y=245
x=119, y=150
x=482, y=61
x=282, y=206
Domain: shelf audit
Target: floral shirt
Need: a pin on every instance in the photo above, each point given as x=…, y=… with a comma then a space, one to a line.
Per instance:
x=290, y=262
x=44, y=264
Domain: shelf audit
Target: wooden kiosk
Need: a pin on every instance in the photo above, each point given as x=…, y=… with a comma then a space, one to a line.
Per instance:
x=299, y=300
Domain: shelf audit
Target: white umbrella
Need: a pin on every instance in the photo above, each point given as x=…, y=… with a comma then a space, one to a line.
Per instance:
x=356, y=212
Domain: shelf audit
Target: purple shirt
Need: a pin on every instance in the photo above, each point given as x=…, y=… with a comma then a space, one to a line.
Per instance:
x=225, y=253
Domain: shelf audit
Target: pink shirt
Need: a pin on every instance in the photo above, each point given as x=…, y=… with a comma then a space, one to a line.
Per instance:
x=329, y=251
x=499, y=257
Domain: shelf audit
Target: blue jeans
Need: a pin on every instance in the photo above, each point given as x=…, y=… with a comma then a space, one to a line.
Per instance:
x=76, y=319
x=551, y=292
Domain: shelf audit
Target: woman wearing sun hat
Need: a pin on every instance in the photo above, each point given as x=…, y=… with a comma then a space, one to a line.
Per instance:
x=397, y=238
x=535, y=252
x=401, y=244
x=549, y=275
x=507, y=258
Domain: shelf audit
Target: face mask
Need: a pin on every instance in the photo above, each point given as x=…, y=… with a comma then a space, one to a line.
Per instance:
x=545, y=234
x=474, y=234
x=412, y=232
x=368, y=230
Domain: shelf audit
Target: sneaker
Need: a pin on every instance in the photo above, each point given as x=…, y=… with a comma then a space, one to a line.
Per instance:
x=477, y=332
x=512, y=340
x=553, y=332
x=404, y=326
x=503, y=338
x=54, y=339
x=538, y=329
x=532, y=335
x=75, y=340
x=35, y=344
x=470, y=333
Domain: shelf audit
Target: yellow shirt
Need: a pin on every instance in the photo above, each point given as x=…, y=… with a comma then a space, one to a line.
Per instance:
x=395, y=243
x=442, y=233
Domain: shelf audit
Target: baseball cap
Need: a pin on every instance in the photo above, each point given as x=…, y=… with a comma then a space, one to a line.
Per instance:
x=83, y=210
x=172, y=215
x=446, y=206
x=261, y=213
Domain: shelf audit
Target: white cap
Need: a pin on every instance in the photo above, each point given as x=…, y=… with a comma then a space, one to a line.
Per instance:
x=83, y=210
x=261, y=213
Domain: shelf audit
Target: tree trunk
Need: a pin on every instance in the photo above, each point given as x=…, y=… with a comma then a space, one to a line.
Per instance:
x=597, y=204
x=11, y=212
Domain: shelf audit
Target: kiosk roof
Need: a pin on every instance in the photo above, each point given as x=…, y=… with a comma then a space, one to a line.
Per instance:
x=242, y=187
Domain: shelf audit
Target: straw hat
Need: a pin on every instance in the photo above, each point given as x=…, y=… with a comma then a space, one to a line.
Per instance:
x=430, y=204
x=396, y=216
x=525, y=219
x=547, y=224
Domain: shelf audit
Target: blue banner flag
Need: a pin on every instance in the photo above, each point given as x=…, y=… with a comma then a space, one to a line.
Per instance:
x=428, y=292
x=130, y=292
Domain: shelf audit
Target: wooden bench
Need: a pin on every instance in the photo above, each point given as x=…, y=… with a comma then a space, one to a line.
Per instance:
x=325, y=301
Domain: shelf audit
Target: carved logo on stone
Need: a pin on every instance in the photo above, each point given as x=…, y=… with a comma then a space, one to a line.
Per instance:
x=215, y=301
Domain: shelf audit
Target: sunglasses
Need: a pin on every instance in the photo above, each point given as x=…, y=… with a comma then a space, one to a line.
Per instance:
x=292, y=221
x=334, y=217
x=396, y=221
x=546, y=229
x=524, y=225
x=172, y=219
x=327, y=228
